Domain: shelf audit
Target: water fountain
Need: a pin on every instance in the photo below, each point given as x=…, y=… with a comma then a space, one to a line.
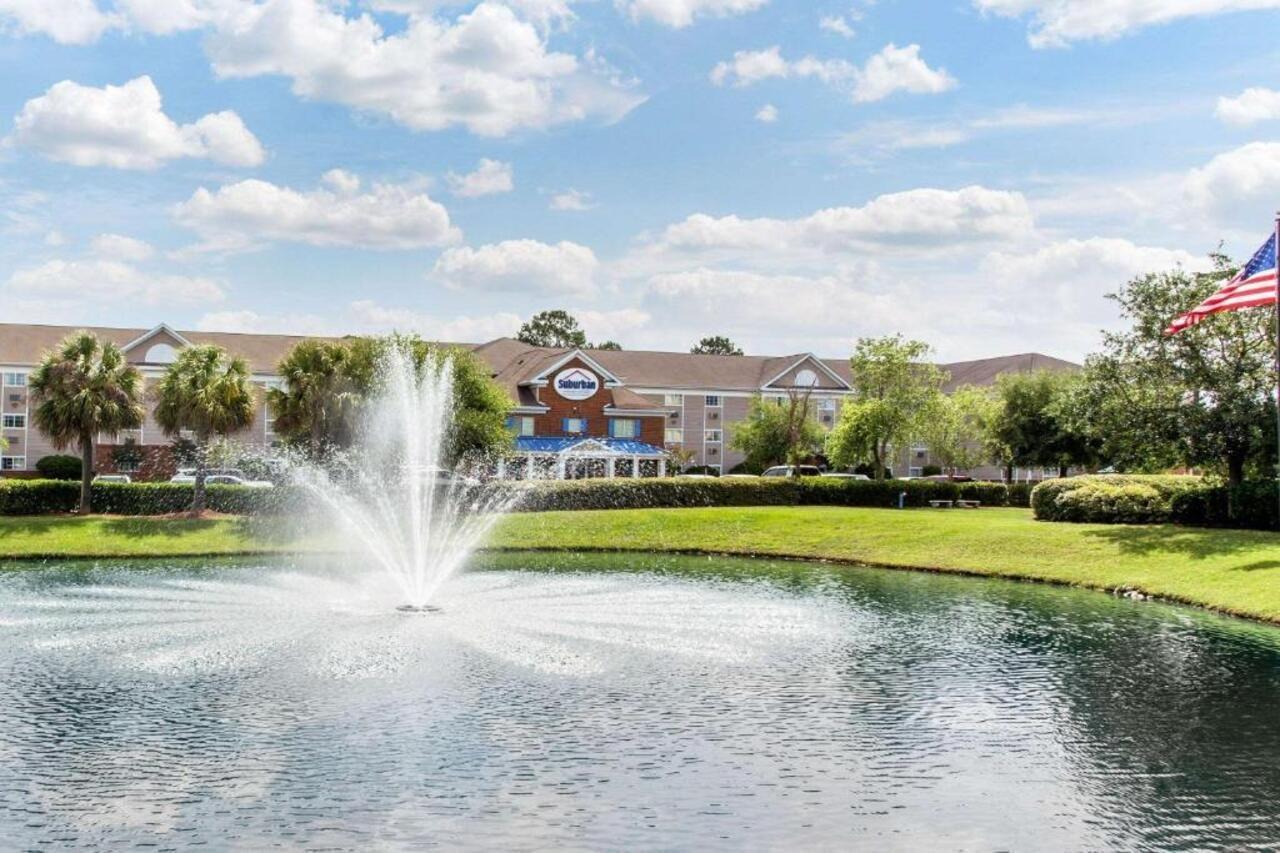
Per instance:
x=396, y=500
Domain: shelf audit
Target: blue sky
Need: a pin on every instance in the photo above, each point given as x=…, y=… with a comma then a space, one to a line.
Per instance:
x=975, y=173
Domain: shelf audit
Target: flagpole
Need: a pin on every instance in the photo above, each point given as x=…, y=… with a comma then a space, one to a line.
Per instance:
x=1277, y=472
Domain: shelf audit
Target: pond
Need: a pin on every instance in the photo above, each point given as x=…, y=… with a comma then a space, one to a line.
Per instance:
x=624, y=701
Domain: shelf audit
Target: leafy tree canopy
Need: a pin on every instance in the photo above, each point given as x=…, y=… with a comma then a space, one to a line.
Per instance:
x=777, y=432
x=555, y=328
x=1200, y=398
x=716, y=345
x=82, y=388
x=895, y=388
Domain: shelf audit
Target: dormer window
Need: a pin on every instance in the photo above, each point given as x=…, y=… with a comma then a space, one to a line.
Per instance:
x=161, y=354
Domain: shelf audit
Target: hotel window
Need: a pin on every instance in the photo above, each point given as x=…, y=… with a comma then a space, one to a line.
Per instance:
x=12, y=463
x=712, y=401
x=15, y=421
x=624, y=428
x=920, y=451
x=713, y=435
x=827, y=404
x=520, y=425
x=914, y=472
x=675, y=436
x=573, y=426
x=15, y=380
x=676, y=400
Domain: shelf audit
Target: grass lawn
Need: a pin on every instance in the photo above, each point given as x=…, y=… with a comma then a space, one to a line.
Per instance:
x=1234, y=571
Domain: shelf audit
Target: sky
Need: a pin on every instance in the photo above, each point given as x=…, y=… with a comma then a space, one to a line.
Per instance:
x=977, y=174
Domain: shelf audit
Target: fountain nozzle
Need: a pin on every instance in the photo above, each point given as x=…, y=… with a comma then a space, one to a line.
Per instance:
x=419, y=608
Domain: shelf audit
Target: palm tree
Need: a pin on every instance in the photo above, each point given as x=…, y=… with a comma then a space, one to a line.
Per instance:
x=82, y=388
x=209, y=393
x=316, y=405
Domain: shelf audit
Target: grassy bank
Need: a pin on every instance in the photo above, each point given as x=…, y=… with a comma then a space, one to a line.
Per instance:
x=1234, y=571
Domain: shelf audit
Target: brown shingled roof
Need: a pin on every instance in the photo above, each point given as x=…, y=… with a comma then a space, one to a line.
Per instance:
x=513, y=362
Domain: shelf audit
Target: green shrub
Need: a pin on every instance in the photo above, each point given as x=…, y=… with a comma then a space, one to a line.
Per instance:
x=649, y=493
x=1112, y=498
x=833, y=491
x=37, y=497
x=1251, y=505
x=1020, y=494
x=60, y=467
x=931, y=470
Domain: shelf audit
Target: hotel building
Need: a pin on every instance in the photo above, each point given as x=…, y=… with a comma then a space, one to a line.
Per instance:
x=575, y=412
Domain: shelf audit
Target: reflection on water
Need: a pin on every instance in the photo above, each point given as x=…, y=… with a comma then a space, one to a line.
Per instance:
x=617, y=701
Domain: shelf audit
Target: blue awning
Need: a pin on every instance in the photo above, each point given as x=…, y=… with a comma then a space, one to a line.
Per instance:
x=585, y=445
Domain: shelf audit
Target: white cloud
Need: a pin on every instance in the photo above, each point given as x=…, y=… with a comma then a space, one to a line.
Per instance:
x=920, y=218
x=572, y=199
x=371, y=317
x=280, y=324
x=64, y=21
x=489, y=178
x=121, y=248
x=1249, y=107
x=1107, y=261
x=838, y=25
x=753, y=308
x=107, y=281
x=767, y=114
x=893, y=69
x=488, y=70
x=682, y=13
x=1239, y=187
x=1056, y=23
x=125, y=127
x=387, y=216
x=520, y=266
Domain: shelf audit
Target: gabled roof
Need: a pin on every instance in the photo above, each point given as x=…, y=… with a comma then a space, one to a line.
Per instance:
x=162, y=329
x=794, y=362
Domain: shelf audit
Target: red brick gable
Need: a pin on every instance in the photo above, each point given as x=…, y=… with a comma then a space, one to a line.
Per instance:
x=592, y=409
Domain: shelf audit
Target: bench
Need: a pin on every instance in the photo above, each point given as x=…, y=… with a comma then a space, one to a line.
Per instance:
x=968, y=504
x=942, y=504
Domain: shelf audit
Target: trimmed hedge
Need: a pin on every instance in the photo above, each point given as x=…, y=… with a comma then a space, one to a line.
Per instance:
x=40, y=497
x=60, y=466
x=34, y=497
x=1156, y=499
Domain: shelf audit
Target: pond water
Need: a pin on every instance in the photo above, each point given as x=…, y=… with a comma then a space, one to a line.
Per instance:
x=624, y=702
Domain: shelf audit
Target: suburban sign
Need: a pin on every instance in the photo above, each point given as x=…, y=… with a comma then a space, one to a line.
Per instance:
x=576, y=384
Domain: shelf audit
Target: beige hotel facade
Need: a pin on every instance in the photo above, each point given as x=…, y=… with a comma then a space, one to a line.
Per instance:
x=577, y=412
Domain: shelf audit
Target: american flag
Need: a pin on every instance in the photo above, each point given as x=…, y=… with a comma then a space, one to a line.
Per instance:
x=1253, y=286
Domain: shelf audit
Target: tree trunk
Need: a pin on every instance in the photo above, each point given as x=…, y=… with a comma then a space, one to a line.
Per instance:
x=1235, y=469
x=86, y=474
x=1062, y=471
x=197, y=489
x=1008, y=473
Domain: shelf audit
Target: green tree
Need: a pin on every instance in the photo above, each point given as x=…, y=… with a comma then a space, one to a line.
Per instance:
x=480, y=406
x=607, y=345
x=82, y=388
x=956, y=429
x=1030, y=421
x=894, y=390
x=1201, y=398
x=778, y=431
x=556, y=328
x=716, y=345
x=208, y=392
x=316, y=405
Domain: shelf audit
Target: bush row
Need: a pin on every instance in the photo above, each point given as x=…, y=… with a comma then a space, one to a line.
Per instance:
x=1156, y=499
x=810, y=491
x=34, y=497
x=38, y=497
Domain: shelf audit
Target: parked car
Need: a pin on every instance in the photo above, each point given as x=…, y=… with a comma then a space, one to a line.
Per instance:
x=791, y=471
x=948, y=478
x=222, y=480
x=696, y=477
x=112, y=478
x=837, y=475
